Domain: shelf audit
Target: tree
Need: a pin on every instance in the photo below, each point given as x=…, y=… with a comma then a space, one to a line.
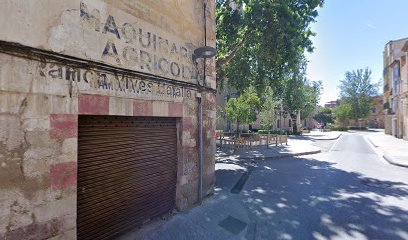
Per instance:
x=301, y=95
x=357, y=91
x=267, y=114
x=260, y=43
x=325, y=116
x=343, y=113
x=243, y=109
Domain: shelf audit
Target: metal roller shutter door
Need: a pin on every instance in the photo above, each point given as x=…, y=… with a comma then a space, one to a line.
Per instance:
x=127, y=173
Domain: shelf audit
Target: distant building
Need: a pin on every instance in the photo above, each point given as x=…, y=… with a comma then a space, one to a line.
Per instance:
x=310, y=123
x=395, y=88
x=332, y=104
x=376, y=118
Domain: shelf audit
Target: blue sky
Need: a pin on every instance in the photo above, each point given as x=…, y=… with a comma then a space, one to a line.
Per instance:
x=351, y=34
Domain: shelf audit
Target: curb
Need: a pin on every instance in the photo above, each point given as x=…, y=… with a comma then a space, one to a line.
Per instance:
x=335, y=138
x=391, y=161
x=372, y=143
x=386, y=157
x=281, y=156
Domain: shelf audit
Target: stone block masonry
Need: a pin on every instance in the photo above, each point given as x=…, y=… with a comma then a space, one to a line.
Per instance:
x=91, y=57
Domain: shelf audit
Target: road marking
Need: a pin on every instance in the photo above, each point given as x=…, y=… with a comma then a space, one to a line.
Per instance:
x=335, y=144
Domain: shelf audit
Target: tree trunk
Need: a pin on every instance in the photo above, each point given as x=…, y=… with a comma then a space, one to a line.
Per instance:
x=294, y=124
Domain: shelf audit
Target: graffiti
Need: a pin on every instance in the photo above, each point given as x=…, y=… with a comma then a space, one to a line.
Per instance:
x=134, y=47
x=95, y=79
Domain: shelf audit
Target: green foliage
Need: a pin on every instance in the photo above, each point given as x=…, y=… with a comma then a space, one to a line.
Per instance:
x=301, y=94
x=262, y=43
x=243, y=109
x=325, y=115
x=358, y=128
x=357, y=91
x=275, y=131
x=343, y=112
x=268, y=114
x=326, y=110
x=338, y=128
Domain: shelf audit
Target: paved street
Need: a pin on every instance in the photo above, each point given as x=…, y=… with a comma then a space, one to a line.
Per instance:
x=345, y=192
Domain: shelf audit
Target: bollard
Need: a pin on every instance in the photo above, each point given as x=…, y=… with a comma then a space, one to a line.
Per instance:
x=267, y=140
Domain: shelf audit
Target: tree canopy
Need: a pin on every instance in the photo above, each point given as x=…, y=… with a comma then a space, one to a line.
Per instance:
x=243, y=109
x=357, y=91
x=268, y=113
x=343, y=113
x=262, y=43
x=325, y=116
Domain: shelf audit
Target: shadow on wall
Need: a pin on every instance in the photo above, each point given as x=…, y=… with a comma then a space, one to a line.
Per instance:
x=310, y=199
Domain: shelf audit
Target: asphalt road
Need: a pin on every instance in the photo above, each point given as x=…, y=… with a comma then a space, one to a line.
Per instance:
x=347, y=192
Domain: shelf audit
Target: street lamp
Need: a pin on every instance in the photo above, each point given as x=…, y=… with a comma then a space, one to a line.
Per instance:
x=204, y=53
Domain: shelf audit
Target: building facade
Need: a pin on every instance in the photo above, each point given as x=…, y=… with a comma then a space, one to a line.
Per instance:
x=403, y=117
x=376, y=118
x=101, y=105
x=332, y=104
x=395, y=80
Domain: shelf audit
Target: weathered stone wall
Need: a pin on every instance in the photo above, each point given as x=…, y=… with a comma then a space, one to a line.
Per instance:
x=60, y=59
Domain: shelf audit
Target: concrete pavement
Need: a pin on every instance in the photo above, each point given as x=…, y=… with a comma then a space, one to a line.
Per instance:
x=297, y=146
x=394, y=150
x=318, y=135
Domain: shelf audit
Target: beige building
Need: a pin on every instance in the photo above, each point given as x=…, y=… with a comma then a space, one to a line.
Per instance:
x=376, y=118
x=101, y=105
x=395, y=88
x=332, y=104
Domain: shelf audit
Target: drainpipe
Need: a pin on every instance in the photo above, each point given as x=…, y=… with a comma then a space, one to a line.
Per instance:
x=200, y=136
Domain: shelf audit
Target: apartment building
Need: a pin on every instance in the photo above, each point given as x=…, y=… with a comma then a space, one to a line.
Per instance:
x=395, y=88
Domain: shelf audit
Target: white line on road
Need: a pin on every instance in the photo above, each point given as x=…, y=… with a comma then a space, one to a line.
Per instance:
x=335, y=144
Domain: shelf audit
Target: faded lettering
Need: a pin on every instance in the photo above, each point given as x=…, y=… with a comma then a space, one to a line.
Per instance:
x=131, y=44
x=118, y=82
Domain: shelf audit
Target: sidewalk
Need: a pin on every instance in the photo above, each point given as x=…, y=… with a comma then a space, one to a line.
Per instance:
x=317, y=135
x=297, y=146
x=394, y=150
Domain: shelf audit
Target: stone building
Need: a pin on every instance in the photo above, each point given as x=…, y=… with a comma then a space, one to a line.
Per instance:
x=395, y=77
x=403, y=117
x=376, y=118
x=100, y=108
x=332, y=104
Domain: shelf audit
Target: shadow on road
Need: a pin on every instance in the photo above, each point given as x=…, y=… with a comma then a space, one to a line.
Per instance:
x=310, y=199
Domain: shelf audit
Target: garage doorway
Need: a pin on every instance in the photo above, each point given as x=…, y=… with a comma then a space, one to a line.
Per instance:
x=127, y=173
